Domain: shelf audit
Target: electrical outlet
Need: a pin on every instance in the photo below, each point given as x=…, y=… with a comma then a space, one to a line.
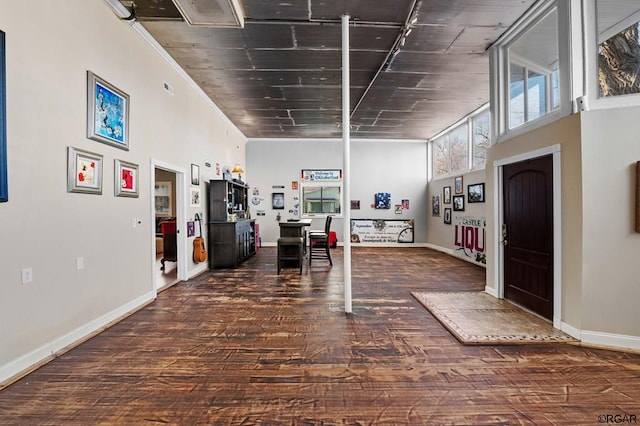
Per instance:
x=27, y=275
x=134, y=222
x=79, y=263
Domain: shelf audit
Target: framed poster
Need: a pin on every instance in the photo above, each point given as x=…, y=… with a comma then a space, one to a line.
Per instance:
x=457, y=184
x=277, y=200
x=447, y=216
x=195, y=174
x=84, y=171
x=458, y=203
x=194, y=197
x=163, y=201
x=126, y=179
x=475, y=193
x=446, y=195
x=107, y=113
x=382, y=231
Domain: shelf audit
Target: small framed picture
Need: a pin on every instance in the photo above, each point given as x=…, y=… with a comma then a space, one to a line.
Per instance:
x=435, y=205
x=458, y=187
x=458, y=203
x=398, y=208
x=164, y=199
x=107, y=113
x=195, y=174
x=194, y=197
x=126, y=179
x=447, y=216
x=84, y=171
x=355, y=204
x=277, y=200
x=475, y=193
x=446, y=195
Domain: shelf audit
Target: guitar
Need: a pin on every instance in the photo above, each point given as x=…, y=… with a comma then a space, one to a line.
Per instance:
x=199, y=250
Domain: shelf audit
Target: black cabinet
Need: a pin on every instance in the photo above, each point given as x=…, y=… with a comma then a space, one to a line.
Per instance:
x=227, y=198
x=232, y=238
x=231, y=243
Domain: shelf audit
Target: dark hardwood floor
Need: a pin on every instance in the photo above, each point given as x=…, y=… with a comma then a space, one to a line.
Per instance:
x=247, y=346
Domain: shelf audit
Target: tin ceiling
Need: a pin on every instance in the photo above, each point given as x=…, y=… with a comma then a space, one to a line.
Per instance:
x=280, y=75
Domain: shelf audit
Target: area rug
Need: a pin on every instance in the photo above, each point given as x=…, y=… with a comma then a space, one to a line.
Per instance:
x=476, y=318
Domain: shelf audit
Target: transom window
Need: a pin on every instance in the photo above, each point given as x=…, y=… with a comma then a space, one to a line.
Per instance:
x=618, y=47
x=534, y=88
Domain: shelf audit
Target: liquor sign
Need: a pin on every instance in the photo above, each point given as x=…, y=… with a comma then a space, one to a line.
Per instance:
x=471, y=238
x=321, y=175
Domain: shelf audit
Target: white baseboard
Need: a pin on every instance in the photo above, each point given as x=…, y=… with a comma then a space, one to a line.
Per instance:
x=619, y=341
x=492, y=291
x=48, y=351
x=451, y=252
x=571, y=330
x=424, y=245
x=199, y=270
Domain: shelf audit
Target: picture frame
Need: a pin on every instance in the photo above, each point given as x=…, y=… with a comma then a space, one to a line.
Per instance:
x=163, y=199
x=398, y=208
x=4, y=183
x=435, y=205
x=195, y=174
x=458, y=203
x=194, y=197
x=446, y=195
x=355, y=204
x=277, y=201
x=447, y=216
x=458, y=185
x=382, y=200
x=84, y=171
x=475, y=193
x=126, y=177
x=107, y=113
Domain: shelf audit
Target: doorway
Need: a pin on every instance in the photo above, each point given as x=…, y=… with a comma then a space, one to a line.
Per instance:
x=168, y=209
x=527, y=232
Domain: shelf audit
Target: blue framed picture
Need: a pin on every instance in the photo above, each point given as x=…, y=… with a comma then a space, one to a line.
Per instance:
x=4, y=187
x=107, y=113
x=383, y=200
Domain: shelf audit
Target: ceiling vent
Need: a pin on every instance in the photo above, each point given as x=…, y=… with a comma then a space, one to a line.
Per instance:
x=212, y=13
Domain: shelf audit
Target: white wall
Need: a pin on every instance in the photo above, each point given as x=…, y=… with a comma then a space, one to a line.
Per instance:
x=395, y=167
x=611, y=247
x=50, y=46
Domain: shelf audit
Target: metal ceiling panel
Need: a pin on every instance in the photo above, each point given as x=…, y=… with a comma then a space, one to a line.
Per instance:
x=280, y=76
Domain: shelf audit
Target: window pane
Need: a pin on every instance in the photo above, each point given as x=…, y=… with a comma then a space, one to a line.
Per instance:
x=536, y=95
x=555, y=89
x=618, y=47
x=321, y=199
x=459, y=146
x=440, y=153
x=481, y=138
x=516, y=96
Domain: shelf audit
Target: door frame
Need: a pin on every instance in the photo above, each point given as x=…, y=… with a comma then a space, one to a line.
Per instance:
x=181, y=205
x=498, y=217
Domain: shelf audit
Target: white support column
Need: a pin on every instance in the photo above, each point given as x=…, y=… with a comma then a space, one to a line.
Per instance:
x=346, y=176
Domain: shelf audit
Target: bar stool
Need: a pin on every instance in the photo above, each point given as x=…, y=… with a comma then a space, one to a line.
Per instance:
x=319, y=243
x=289, y=249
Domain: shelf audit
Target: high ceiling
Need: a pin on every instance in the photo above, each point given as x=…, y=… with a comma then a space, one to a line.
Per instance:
x=280, y=75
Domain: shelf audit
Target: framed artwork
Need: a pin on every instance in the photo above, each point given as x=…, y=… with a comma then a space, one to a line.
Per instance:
x=435, y=205
x=405, y=204
x=458, y=187
x=107, y=113
x=355, y=204
x=447, y=216
x=383, y=200
x=191, y=228
x=195, y=174
x=4, y=185
x=475, y=193
x=162, y=201
x=84, y=171
x=277, y=200
x=458, y=203
x=194, y=197
x=126, y=179
x=398, y=208
x=446, y=195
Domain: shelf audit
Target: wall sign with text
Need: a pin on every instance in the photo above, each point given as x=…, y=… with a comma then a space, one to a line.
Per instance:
x=381, y=231
x=321, y=175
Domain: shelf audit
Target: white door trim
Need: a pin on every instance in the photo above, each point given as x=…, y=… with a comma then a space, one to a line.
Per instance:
x=498, y=210
x=181, y=205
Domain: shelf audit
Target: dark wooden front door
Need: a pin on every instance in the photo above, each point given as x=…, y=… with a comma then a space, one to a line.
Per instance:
x=528, y=234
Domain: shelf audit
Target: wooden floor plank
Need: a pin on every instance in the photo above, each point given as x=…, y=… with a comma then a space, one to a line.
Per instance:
x=248, y=346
